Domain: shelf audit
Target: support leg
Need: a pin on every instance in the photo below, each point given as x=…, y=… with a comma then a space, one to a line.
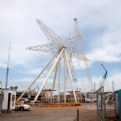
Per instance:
x=64, y=79
x=71, y=77
x=54, y=81
x=59, y=81
x=48, y=75
x=37, y=76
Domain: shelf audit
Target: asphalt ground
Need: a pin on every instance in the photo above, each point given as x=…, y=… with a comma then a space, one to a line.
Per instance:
x=87, y=112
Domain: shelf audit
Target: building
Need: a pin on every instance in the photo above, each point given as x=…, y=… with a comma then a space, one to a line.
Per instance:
x=8, y=100
x=118, y=103
x=0, y=96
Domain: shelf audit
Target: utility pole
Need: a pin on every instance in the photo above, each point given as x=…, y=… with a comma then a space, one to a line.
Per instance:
x=7, y=71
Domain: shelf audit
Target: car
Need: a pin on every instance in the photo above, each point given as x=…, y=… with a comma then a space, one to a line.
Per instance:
x=87, y=100
x=32, y=103
x=22, y=107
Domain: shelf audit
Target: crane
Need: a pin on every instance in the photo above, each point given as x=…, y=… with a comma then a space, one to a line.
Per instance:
x=83, y=54
x=104, y=76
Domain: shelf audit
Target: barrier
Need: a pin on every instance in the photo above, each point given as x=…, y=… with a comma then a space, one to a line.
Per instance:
x=59, y=104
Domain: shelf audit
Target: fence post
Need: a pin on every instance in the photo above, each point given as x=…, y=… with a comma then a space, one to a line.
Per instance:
x=77, y=114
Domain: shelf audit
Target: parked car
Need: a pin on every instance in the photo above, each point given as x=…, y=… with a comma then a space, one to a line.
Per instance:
x=32, y=103
x=88, y=100
x=22, y=107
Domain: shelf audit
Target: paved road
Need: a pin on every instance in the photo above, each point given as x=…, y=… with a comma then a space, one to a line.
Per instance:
x=40, y=118
x=87, y=113
x=42, y=114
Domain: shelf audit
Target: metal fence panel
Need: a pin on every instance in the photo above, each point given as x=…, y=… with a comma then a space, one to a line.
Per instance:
x=101, y=108
x=119, y=103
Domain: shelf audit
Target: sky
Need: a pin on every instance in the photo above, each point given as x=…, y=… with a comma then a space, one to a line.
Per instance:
x=99, y=23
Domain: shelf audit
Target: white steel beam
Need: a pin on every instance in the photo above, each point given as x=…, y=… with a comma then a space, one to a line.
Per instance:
x=59, y=81
x=71, y=77
x=54, y=81
x=52, y=36
x=48, y=75
x=37, y=76
x=64, y=79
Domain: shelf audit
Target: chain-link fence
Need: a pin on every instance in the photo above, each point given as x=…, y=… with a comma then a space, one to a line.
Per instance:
x=107, y=105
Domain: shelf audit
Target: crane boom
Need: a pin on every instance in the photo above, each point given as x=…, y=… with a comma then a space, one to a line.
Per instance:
x=104, y=76
x=83, y=54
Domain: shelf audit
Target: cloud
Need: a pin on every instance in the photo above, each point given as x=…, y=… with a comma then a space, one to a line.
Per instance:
x=22, y=30
x=108, y=49
x=105, y=45
x=99, y=21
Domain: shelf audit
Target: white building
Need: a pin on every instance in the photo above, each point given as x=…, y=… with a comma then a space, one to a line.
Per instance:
x=0, y=96
x=8, y=100
x=0, y=87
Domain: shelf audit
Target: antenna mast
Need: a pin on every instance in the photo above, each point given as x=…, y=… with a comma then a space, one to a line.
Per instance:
x=7, y=71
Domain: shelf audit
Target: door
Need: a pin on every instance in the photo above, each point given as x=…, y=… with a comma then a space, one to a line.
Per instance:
x=1, y=97
x=9, y=101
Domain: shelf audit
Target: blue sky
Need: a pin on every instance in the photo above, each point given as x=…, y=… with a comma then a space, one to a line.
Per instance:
x=99, y=22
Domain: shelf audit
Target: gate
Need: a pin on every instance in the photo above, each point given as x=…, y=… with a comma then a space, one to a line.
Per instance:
x=101, y=107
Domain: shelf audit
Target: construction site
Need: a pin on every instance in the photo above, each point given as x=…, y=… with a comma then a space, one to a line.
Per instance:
x=70, y=104
x=56, y=83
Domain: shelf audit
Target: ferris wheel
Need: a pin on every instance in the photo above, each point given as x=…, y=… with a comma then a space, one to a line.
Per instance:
x=65, y=50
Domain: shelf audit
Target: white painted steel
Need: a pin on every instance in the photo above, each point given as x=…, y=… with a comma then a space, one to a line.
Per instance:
x=53, y=86
x=49, y=73
x=59, y=81
x=83, y=55
x=70, y=74
x=37, y=76
x=65, y=79
x=57, y=44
